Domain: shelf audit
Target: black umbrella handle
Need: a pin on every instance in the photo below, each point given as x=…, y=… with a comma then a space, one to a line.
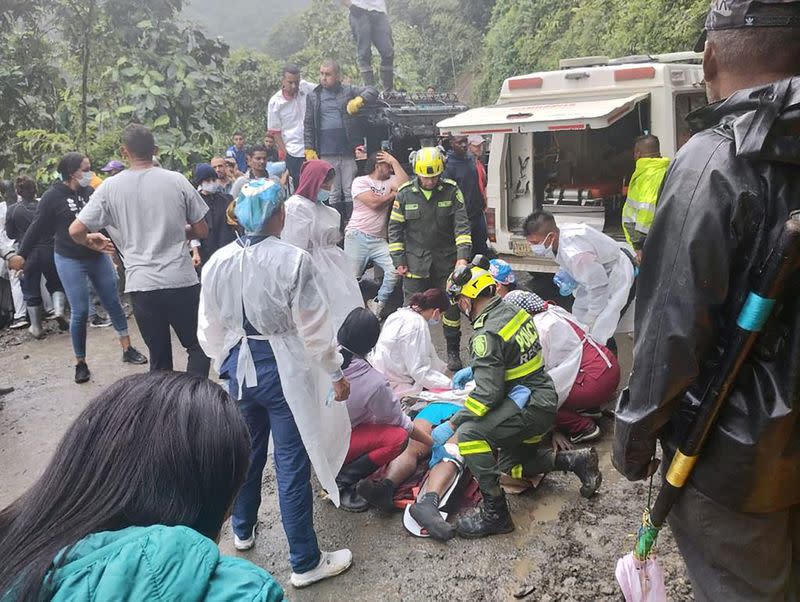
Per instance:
x=782, y=262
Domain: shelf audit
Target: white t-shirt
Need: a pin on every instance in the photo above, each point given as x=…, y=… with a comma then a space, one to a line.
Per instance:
x=378, y=5
x=365, y=219
x=286, y=115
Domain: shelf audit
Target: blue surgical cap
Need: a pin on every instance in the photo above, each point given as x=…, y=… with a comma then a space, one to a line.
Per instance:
x=257, y=201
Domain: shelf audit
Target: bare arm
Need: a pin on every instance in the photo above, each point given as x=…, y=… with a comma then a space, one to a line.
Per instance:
x=198, y=230
x=278, y=138
x=375, y=201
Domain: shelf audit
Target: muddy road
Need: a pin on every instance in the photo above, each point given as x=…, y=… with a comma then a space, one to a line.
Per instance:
x=564, y=547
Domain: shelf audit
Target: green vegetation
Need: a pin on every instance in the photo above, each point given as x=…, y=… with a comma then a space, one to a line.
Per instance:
x=74, y=72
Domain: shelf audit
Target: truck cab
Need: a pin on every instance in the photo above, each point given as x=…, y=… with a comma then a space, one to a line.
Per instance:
x=563, y=140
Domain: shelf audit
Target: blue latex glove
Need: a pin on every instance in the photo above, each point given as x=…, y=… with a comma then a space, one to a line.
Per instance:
x=462, y=377
x=438, y=453
x=442, y=433
x=565, y=282
x=520, y=395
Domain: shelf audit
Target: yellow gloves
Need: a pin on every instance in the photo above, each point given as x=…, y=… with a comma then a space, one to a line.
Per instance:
x=354, y=106
x=311, y=154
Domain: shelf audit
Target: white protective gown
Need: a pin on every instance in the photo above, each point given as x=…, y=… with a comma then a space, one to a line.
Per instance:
x=406, y=356
x=604, y=274
x=280, y=292
x=562, y=348
x=314, y=227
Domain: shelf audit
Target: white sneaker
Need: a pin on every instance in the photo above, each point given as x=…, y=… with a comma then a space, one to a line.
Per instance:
x=330, y=565
x=245, y=544
x=376, y=307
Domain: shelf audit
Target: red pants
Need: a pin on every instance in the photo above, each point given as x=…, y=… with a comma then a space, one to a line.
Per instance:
x=594, y=386
x=381, y=442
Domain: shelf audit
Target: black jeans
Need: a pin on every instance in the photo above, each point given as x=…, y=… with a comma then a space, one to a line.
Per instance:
x=479, y=234
x=293, y=165
x=40, y=262
x=370, y=28
x=156, y=311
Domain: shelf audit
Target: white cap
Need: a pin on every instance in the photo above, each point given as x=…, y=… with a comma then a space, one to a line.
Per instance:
x=475, y=139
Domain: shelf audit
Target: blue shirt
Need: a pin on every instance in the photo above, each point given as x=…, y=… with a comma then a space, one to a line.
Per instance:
x=240, y=156
x=333, y=136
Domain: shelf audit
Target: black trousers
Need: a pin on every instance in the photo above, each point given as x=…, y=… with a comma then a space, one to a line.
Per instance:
x=293, y=164
x=156, y=312
x=39, y=263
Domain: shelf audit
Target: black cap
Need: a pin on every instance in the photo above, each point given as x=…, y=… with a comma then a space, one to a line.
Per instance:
x=742, y=14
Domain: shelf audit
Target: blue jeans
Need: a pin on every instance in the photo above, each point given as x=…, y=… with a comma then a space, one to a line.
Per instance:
x=265, y=409
x=100, y=271
x=360, y=248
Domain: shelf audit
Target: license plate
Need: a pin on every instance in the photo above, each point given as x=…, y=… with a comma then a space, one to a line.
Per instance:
x=521, y=248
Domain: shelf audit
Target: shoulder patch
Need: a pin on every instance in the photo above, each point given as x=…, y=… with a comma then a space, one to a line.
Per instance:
x=480, y=346
x=479, y=322
x=405, y=185
x=449, y=181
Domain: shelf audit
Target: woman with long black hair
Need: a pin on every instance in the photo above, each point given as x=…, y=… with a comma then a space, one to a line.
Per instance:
x=77, y=264
x=132, y=503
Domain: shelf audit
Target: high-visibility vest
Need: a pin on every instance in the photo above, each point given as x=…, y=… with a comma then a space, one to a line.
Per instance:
x=640, y=206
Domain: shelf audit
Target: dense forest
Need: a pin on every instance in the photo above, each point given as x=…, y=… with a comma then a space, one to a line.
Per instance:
x=73, y=73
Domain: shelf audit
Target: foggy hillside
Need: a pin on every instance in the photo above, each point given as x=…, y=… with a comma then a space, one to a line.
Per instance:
x=243, y=23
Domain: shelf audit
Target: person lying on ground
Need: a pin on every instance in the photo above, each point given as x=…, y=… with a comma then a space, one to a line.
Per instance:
x=132, y=503
x=405, y=353
x=380, y=429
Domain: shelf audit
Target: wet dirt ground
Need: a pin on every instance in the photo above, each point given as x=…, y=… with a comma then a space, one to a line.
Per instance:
x=564, y=547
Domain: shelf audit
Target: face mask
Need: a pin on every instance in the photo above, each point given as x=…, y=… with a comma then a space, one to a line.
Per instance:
x=209, y=187
x=86, y=178
x=541, y=250
x=323, y=195
x=433, y=321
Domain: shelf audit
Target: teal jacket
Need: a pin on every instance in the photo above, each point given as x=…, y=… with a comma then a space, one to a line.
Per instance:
x=158, y=563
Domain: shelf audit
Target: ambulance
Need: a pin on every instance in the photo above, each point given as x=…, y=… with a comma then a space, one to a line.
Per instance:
x=563, y=140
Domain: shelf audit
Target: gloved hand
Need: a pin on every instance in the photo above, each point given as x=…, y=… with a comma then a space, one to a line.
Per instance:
x=520, y=395
x=442, y=433
x=311, y=154
x=354, y=106
x=462, y=377
x=438, y=453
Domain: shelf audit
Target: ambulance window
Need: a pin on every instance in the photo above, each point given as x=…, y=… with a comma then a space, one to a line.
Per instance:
x=685, y=104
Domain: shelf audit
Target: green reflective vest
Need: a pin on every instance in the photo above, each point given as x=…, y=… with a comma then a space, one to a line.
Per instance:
x=640, y=206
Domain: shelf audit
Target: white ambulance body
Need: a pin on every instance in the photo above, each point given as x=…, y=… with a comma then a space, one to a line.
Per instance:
x=563, y=140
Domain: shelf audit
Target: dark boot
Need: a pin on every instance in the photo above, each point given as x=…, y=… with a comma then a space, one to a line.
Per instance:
x=584, y=463
x=368, y=77
x=379, y=494
x=426, y=513
x=492, y=518
x=454, y=354
x=349, y=475
x=387, y=79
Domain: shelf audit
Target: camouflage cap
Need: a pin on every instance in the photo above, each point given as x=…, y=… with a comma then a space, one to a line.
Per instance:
x=741, y=14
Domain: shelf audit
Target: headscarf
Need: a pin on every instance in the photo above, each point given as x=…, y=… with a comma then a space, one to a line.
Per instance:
x=358, y=334
x=257, y=202
x=530, y=302
x=312, y=175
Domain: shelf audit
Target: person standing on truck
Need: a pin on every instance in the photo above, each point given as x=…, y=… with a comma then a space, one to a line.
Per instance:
x=640, y=206
x=511, y=409
x=429, y=234
x=602, y=269
x=370, y=26
x=285, y=115
x=460, y=167
x=332, y=130
x=727, y=195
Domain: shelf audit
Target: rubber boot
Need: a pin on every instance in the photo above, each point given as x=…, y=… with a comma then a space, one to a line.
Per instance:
x=349, y=475
x=426, y=512
x=60, y=310
x=492, y=518
x=35, y=316
x=454, y=355
x=584, y=463
x=368, y=77
x=379, y=494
